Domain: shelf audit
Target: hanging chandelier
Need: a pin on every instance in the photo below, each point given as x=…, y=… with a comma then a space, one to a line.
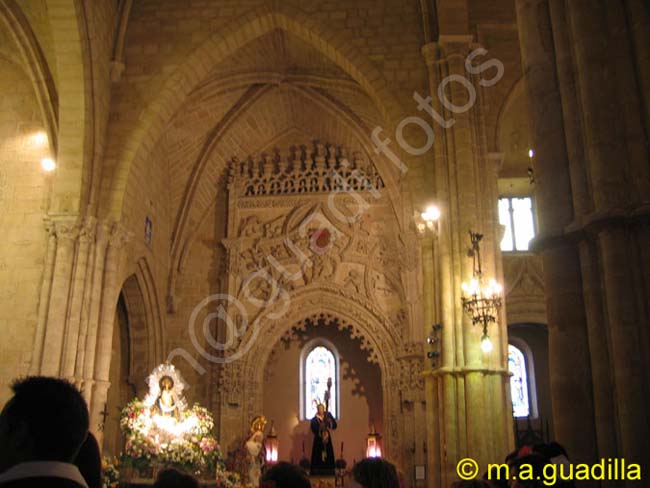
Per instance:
x=481, y=301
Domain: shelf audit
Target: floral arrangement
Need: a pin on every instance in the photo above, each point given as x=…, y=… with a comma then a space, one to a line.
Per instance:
x=226, y=479
x=183, y=441
x=110, y=473
x=134, y=418
x=139, y=451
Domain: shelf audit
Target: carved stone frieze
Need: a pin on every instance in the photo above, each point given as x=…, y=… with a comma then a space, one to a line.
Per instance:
x=524, y=288
x=411, y=365
x=318, y=169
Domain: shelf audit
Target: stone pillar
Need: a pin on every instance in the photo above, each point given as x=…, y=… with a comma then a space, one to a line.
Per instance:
x=589, y=260
x=581, y=197
x=603, y=392
x=626, y=348
x=78, y=290
x=110, y=293
x=44, y=301
x=568, y=341
x=87, y=347
x=432, y=414
x=66, y=230
x=470, y=387
x=638, y=18
x=607, y=113
x=501, y=428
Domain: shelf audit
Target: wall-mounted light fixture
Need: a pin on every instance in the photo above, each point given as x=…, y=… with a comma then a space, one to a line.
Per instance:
x=481, y=301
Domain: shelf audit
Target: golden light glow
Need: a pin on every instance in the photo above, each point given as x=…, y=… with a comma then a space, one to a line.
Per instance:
x=48, y=164
x=39, y=139
x=471, y=288
x=272, y=454
x=474, y=288
x=531, y=153
x=486, y=344
x=374, y=450
x=373, y=446
x=172, y=426
x=431, y=214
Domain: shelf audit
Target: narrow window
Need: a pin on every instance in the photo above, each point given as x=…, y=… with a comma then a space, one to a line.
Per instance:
x=320, y=364
x=516, y=214
x=518, y=382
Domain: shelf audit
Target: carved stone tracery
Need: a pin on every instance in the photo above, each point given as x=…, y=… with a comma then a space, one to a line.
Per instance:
x=293, y=255
x=321, y=169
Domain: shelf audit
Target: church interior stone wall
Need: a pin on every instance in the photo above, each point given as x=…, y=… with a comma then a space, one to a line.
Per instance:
x=195, y=139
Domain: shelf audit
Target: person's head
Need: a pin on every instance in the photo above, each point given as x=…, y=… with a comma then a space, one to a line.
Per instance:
x=320, y=408
x=89, y=462
x=285, y=475
x=375, y=473
x=172, y=478
x=556, y=455
x=527, y=471
x=552, y=451
x=45, y=420
x=477, y=483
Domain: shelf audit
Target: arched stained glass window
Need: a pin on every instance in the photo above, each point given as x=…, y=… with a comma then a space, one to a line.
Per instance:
x=320, y=364
x=518, y=382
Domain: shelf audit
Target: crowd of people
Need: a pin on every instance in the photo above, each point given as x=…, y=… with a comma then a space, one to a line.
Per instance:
x=45, y=441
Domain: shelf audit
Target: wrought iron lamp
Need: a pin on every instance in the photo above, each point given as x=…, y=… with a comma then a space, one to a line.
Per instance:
x=271, y=446
x=373, y=449
x=481, y=301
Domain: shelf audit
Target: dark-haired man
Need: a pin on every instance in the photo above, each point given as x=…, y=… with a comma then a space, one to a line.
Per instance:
x=285, y=475
x=42, y=428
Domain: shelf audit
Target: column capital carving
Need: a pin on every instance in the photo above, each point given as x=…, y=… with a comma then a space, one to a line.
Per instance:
x=119, y=235
x=66, y=228
x=88, y=230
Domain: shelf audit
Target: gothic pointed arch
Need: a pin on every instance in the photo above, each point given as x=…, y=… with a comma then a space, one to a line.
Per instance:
x=34, y=62
x=241, y=381
x=187, y=77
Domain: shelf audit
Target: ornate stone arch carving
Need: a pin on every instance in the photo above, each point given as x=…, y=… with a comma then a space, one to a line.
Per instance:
x=241, y=382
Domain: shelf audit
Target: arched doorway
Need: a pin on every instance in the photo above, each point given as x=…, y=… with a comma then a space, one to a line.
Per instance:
x=357, y=388
x=134, y=353
x=121, y=390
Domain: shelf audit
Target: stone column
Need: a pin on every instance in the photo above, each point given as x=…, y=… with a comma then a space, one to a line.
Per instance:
x=44, y=300
x=110, y=293
x=469, y=387
x=638, y=18
x=603, y=391
x=66, y=229
x=78, y=291
x=87, y=347
x=501, y=428
x=589, y=259
x=432, y=414
x=568, y=341
x=606, y=114
x=440, y=383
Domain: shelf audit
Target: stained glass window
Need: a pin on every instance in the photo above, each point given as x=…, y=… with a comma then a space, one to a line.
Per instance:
x=516, y=214
x=518, y=382
x=320, y=365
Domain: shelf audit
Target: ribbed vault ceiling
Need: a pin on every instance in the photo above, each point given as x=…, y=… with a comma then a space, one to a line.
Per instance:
x=274, y=93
